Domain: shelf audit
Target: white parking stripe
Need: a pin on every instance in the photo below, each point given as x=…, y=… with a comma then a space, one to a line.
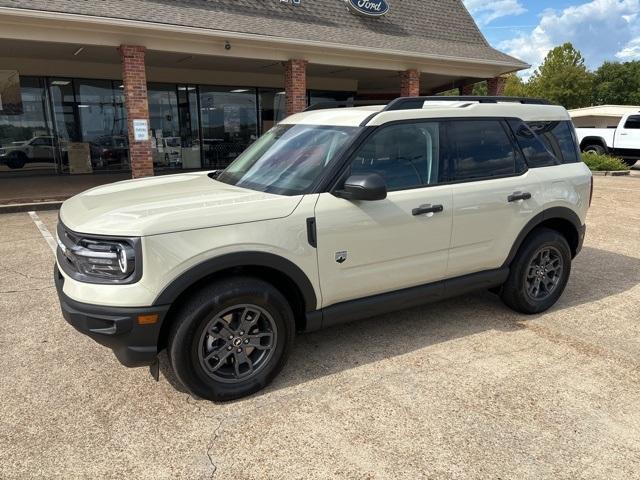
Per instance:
x=45, y=232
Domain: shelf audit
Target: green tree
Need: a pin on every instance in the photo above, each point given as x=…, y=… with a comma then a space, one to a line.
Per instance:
x=516, y=87
x=617, y=84
x=563, y=78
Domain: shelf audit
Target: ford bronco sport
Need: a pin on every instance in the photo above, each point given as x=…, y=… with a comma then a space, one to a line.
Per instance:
x=332, y=216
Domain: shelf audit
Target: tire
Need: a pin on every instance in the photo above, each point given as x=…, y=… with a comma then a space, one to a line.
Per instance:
x=17, y=160
x=200, y=338
x=595, y=148
x=528, y=269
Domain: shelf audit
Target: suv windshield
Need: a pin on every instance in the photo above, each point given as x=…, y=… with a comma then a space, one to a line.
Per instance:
x=288, y=159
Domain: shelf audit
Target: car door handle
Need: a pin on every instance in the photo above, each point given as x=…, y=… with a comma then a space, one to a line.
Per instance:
x=424, y=209
x=519, y=196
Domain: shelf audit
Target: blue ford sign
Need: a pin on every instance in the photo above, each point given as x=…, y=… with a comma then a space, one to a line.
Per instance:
x=369, y=8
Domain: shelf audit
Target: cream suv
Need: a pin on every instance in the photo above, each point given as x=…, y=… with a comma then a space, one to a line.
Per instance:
x=332, y=216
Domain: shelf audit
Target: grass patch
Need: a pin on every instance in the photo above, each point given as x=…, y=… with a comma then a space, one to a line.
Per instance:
x=603, y=163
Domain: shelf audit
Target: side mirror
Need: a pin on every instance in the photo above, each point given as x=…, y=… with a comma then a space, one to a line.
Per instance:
x=367, y=187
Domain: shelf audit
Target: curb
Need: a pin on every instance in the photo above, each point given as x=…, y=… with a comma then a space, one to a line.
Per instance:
x=29, y=207
x=624, y=173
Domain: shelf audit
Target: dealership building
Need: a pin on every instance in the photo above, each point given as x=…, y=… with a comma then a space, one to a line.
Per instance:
x=92, y=91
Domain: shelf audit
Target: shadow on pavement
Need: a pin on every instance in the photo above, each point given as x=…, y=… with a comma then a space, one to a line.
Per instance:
x=596, y=274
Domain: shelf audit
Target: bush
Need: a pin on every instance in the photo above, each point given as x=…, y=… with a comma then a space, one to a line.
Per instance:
x=603, y=163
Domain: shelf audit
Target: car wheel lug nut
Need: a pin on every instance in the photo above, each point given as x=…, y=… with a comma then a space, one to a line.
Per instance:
x=239, y=350
x=246, y=340
x=229, y=348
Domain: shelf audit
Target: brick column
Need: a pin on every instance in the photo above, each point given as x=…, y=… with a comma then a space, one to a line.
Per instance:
x=134, y=79
x=410, y=83
x=496, y=86
x=466, y=89
x=295, y=85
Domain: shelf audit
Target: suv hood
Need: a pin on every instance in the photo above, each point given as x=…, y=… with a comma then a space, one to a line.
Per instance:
x=171, y=203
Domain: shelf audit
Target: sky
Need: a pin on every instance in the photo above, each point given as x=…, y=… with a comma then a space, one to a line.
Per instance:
x=527, y=29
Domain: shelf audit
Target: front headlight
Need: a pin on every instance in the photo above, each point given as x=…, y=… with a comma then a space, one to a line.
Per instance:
x=102, y=259
x=99, y=260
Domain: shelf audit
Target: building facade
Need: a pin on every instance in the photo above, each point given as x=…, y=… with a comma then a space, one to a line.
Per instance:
x=151, y=86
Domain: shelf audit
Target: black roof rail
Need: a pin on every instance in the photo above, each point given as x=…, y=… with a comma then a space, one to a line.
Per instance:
x=344, y=104
x=417, y=103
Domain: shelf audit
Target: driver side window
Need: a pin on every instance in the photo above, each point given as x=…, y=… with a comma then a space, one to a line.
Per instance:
x=405, y=155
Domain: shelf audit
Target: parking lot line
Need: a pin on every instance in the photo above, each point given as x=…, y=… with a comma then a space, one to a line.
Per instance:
x=44, y=231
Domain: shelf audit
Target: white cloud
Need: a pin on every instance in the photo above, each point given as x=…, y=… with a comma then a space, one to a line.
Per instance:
x=486, y=11
x=631, y=51
x=598, y=29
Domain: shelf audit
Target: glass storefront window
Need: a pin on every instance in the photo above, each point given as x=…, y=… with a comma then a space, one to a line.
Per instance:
x=273, y=108
x=26, y=140
x=229, y=119
x=323, y=96
x=90, y=121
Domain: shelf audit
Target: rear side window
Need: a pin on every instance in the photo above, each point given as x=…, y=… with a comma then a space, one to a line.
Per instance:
x=559, y=138
x=633, y=122
x=535, y=150
x=481, y=149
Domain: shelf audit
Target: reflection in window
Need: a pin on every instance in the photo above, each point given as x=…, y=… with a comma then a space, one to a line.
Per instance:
x=26, y=140
x=91, y=124
x=559, y=138
x=480, y=149
x=406, y=155
x=229, y=123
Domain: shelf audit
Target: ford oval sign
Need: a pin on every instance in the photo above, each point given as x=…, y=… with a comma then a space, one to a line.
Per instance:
x=369, y=8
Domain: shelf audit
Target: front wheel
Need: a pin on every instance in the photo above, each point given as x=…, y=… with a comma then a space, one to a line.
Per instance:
x=231, y=338
x=539, y=273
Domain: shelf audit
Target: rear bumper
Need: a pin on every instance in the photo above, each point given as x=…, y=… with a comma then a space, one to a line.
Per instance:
x=134, y=345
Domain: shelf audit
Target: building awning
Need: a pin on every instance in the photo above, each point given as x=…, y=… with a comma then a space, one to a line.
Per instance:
x=440, y=30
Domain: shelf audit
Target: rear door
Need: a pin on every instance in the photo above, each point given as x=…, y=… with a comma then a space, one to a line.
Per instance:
x=367, y=248
x=628, y=135
x=494, y=194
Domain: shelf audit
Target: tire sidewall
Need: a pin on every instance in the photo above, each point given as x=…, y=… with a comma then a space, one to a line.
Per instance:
x=543, y=238
x=184, y=345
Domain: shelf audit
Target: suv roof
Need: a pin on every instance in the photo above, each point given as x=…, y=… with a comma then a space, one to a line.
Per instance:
x=433, y=107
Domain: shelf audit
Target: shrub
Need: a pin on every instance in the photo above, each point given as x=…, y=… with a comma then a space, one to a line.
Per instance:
x=603, y=163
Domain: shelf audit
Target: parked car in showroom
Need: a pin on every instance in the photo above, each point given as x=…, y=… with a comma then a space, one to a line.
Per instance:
x=332, y=216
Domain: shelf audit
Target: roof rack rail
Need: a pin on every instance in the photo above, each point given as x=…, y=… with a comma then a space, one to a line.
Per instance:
x=417, y=103
x=344, y=104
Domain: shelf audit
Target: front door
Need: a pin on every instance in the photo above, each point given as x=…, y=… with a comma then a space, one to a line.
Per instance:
x=628, y=137
x=367, y=248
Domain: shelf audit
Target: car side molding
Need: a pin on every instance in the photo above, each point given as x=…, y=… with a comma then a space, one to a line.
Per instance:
x=402, y=299
x=239, y=260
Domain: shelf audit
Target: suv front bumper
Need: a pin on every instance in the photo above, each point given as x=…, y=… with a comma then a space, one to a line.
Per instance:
x=118, y=328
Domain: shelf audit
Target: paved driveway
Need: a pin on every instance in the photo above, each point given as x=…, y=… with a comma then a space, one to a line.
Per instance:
x=460, y=389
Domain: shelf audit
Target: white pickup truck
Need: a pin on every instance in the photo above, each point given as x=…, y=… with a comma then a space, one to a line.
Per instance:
x=622, y=141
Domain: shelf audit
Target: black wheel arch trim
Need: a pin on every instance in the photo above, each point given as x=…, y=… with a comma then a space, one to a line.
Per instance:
x=593, y=140
x=562, y=213
x=237, y=260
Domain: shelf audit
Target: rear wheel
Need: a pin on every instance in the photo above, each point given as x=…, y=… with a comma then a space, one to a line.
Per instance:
x=594, y=148
x=231, y=339
x=539, y=273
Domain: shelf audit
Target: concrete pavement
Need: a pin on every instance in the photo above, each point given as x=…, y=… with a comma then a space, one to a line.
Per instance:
x=460, y=389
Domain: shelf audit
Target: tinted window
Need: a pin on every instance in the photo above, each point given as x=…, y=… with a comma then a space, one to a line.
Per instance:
x=406, y=155
x=534, y=148
x=633, y=122
x=559, y=138
x=480, y=149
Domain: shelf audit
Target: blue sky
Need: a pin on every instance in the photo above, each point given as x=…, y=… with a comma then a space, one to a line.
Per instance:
x=528, y=29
